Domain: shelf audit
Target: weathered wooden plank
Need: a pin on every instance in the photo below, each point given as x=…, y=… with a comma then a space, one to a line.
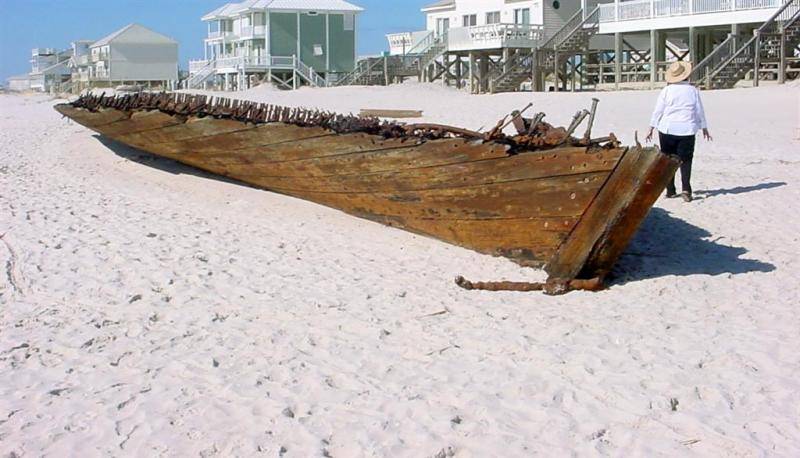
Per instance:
x=528, y=241
x=627, y=188
x=472, y=173
x=406, y=155
x=262, y=135
x=558, y=196
x=309, y=148
x=92, y=119
x=193, y=128
x=648, y=187
x=394, y=114
x=139, y=121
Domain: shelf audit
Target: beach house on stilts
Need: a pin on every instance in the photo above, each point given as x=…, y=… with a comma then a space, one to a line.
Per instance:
x=289, y=43
x=485, y=45
x=133, y=55
x=505, y=45
x=727, y=40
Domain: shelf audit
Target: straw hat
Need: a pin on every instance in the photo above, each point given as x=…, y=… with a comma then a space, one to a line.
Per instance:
x=678, y=71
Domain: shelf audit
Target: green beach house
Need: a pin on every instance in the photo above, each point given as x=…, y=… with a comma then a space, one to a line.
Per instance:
x=289, y=43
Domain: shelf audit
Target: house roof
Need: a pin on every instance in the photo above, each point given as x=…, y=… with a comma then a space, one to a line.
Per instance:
x=439, y=4
x=109, y=38
x=19, y=77
x=232, y=9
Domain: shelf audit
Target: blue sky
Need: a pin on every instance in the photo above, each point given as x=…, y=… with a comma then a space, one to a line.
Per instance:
x=27, y=24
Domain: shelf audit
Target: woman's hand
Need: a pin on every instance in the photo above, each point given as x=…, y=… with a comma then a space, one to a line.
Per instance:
x=649, y=137
x=707, y=135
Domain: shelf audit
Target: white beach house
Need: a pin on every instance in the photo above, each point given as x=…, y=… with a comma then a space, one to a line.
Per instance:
x=19, y=83
x=133, y=54
x=562, y=44
x=473, y=42
x=726, y=39
x=286, y=42
x=49, y=69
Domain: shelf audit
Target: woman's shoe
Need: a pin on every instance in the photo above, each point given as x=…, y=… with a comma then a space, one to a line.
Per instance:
x=686, y=196
x=671, y=195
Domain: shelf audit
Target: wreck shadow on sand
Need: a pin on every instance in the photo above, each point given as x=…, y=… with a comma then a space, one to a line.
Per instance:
x=160, y=163
x=740, y=189
x=666, y=245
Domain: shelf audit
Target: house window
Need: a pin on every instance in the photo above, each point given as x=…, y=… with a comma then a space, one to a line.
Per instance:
x=468, y=20
x=522, y=16
x=349, y=21
x=318, y=50
x=493, y=17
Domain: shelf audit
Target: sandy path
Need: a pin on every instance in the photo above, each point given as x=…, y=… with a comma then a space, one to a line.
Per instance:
x=148, y=309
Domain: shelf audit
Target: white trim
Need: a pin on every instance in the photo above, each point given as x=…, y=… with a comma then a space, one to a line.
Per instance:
x=327, y=43
x=355, y=41
x=267, y=40
x=298, y=35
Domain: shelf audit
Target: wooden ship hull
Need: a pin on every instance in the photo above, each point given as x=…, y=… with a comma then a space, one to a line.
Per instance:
x=542, y=199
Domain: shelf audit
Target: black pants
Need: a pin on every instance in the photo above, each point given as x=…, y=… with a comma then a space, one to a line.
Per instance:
x=681, y=146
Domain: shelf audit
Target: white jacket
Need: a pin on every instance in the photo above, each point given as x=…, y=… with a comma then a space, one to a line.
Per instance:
x=679, y=110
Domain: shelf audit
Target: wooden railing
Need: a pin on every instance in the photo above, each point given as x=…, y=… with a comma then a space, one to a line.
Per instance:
x=649, y=9
x=727, y=52
x=494, y=35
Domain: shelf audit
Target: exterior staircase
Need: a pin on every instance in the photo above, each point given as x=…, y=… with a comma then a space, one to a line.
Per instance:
x=378, y=71
x=571, y=39
x=434, y=48
x=368, y=72
x=308, y=74
x=765, y=52
x=201, y=76
x=518, y=70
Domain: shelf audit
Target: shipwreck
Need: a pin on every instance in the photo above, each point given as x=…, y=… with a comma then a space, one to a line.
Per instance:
x=541, y=197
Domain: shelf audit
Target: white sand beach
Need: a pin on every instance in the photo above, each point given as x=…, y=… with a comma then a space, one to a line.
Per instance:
x=149, y=309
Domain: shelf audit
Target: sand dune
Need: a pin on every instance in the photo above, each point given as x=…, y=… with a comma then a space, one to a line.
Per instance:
x=148, y=309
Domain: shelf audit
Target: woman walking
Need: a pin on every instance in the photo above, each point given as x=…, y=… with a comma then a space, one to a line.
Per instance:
x=678, y=116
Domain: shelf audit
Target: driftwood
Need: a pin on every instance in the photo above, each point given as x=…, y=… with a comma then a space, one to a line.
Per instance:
x=395, y=114
x=550, y=287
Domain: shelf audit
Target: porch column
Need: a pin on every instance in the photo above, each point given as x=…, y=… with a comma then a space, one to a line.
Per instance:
x=708, y=45
x=446, y=74
x=654, y=35
x=782, y=61
x=757, y=60
x=735, y=30
x=472, y=68
x=617, y=59
x=484, y=70
x=556, y=80
x=459, y=71
x=693, y=45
